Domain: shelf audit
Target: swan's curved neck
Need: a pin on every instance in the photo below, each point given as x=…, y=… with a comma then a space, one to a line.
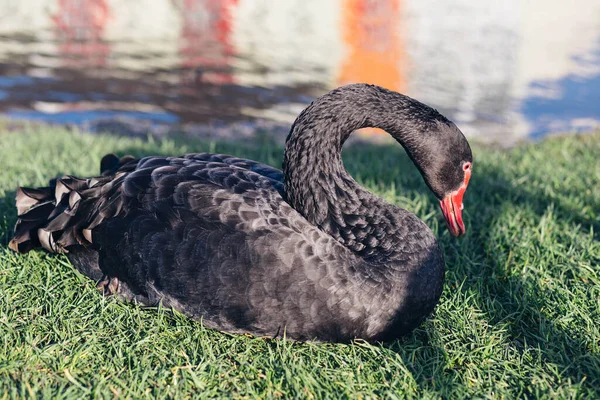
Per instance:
x=317, y=184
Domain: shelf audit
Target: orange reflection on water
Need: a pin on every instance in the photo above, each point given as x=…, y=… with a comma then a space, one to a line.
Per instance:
x=375, y=51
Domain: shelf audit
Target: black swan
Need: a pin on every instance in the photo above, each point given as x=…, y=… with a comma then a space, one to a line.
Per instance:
x=304, y=253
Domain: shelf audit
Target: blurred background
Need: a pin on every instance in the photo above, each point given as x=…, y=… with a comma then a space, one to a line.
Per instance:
x=502, y=70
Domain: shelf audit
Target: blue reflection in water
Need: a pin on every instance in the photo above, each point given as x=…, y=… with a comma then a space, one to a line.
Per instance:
x=579, y=98
x=21, y=80
x=63, y=96
x=84, y=116
x=11, y=81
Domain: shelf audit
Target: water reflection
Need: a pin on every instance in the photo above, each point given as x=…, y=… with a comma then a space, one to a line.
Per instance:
x=502, y=70
x=375, y=52
x=79, y=29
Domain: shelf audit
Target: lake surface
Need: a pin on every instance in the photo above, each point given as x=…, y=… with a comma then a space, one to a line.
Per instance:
x=502, y=70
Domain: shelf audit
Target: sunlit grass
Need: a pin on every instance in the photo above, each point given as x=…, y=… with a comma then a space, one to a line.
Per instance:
x=518, y=317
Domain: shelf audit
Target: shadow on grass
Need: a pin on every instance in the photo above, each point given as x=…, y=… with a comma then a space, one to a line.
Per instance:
x=506, y=299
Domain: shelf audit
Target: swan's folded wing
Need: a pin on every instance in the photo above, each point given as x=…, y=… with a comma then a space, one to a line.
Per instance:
x=74, y=207
x=254, y=166
x=201, y=184
x=213, y=240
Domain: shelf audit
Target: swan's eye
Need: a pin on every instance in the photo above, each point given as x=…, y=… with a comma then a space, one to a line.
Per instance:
x=467, y=166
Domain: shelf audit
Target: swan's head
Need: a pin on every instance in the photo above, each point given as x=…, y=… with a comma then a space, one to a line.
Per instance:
x=436, y=146
x=446, y=163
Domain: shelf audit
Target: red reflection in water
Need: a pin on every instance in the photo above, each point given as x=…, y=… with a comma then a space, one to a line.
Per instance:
x=80, y=26
x=205, y=37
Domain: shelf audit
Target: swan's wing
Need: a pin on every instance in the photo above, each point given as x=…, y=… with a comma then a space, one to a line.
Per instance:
x=261, y=169
x=65, y=213
x=191, y=232
x=217, y=241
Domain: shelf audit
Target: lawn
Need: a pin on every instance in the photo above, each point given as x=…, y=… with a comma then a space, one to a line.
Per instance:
x=519, y=316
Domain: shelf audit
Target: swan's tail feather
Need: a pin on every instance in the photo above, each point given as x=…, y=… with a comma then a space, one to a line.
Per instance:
x=45, y=216
x=53, y=217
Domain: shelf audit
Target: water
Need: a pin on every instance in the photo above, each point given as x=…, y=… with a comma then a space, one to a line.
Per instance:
x=502, y=70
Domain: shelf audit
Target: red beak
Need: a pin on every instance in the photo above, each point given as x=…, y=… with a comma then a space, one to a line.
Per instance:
x=452, y=206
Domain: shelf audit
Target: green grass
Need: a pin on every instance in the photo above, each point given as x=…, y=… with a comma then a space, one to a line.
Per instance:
x=519, y=316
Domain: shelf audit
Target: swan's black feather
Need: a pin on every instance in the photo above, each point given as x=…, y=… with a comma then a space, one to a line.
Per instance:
x=246, y=247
